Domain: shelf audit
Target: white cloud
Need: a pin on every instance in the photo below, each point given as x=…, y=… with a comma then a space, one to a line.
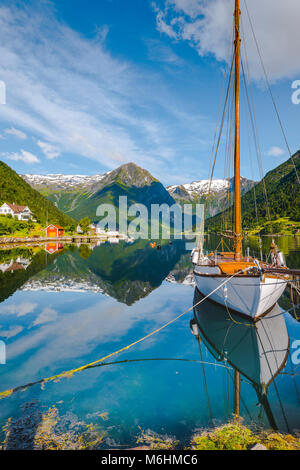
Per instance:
x=48, y=315
x=23, y=155
x=276, y=152
x=159, y=52
x=49, y=150
x=11, y=332
x=206, y=25
x=16, y=133
x=69, y=91
x=18, y=309
x=69, y=337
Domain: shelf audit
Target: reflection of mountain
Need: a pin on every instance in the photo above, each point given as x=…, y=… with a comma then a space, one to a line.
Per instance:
x=127, y=272
x=18, y=268
x=182, y=273
x=257, y=351
x=61, y=284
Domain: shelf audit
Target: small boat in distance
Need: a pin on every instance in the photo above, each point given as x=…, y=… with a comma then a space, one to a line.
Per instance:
x=240, y=283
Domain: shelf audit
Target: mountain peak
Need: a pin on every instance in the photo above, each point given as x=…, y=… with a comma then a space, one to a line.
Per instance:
x=130, y=174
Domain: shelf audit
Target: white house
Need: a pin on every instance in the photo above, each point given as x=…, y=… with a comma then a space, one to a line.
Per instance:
x=20, y=212
x=15, y=265
x=108, y=233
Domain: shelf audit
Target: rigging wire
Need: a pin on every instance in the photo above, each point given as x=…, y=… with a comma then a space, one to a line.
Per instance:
x=230, y=45
x=251, y=106
x=205, y=383
x=221, y=129
x=270, y=91
x=251, y=159
x=216, y=148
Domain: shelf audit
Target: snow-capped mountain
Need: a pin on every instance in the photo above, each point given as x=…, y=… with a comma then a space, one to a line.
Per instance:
x=62, y=182
x=201, y=187
x=198, y=190
x=61, y=285
x=80, y=196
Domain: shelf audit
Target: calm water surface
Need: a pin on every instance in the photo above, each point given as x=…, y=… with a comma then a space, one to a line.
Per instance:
x=64, y=307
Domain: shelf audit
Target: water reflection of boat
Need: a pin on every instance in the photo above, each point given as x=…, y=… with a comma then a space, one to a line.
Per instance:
x=257, y=351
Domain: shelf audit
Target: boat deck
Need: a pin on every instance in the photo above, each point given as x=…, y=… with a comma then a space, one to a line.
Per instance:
x=227, y=264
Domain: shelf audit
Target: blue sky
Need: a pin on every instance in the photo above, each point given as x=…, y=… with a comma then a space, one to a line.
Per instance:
x=91, y=85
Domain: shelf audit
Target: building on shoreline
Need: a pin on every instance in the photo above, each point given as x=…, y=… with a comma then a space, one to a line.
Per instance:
x=54, y=231
x=16, y=211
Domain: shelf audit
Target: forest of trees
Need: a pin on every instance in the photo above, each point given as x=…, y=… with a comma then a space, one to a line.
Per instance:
x=13, y=189
x=283, y=197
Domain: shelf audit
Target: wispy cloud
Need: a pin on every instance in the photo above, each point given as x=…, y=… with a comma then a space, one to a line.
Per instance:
x=11, y=332
x=205, y=25
x=48, y=315
x=49, y=150
x=20, y=309
x=16, y=133
x=160, y=52
x=73, y=97
x=23, y=155
x=275, y=152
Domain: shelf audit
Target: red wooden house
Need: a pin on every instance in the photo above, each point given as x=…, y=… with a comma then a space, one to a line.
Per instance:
x=54, y=231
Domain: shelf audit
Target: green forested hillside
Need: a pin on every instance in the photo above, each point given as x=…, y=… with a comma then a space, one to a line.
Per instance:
x=13, y=189
x=283, y=193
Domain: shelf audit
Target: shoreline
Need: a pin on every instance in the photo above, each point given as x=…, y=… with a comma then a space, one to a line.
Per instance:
x=9, y=241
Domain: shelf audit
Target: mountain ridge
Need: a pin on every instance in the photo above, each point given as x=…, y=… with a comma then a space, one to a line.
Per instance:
x=219, y=192
x=81, y=196
x=283, y=197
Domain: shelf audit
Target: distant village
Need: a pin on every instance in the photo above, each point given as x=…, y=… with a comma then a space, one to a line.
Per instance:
x=23, y=213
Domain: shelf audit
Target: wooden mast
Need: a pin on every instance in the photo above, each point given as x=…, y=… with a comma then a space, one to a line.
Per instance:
x=237, y=170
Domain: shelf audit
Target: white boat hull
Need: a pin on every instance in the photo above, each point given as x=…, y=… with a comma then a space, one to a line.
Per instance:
x=248, y=295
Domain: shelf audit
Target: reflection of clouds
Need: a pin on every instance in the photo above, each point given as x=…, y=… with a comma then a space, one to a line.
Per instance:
x=48, y=315
x=77, y=334
x=11, y=332
x=20, y=309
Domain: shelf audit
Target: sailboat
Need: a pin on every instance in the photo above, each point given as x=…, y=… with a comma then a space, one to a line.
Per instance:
x=257, y=352
x=242, y=284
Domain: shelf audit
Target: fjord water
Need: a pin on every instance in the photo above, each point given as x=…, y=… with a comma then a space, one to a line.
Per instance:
x=63, y=310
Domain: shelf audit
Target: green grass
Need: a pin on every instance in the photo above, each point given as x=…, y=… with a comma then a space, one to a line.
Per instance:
x=235, y=436
x=13, y=189
x=46, y=433
x=280, y=226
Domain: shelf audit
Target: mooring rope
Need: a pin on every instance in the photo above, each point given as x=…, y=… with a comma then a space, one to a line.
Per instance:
x=70, y=373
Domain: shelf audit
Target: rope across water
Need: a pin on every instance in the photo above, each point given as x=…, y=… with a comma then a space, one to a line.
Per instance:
x=70, y=373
